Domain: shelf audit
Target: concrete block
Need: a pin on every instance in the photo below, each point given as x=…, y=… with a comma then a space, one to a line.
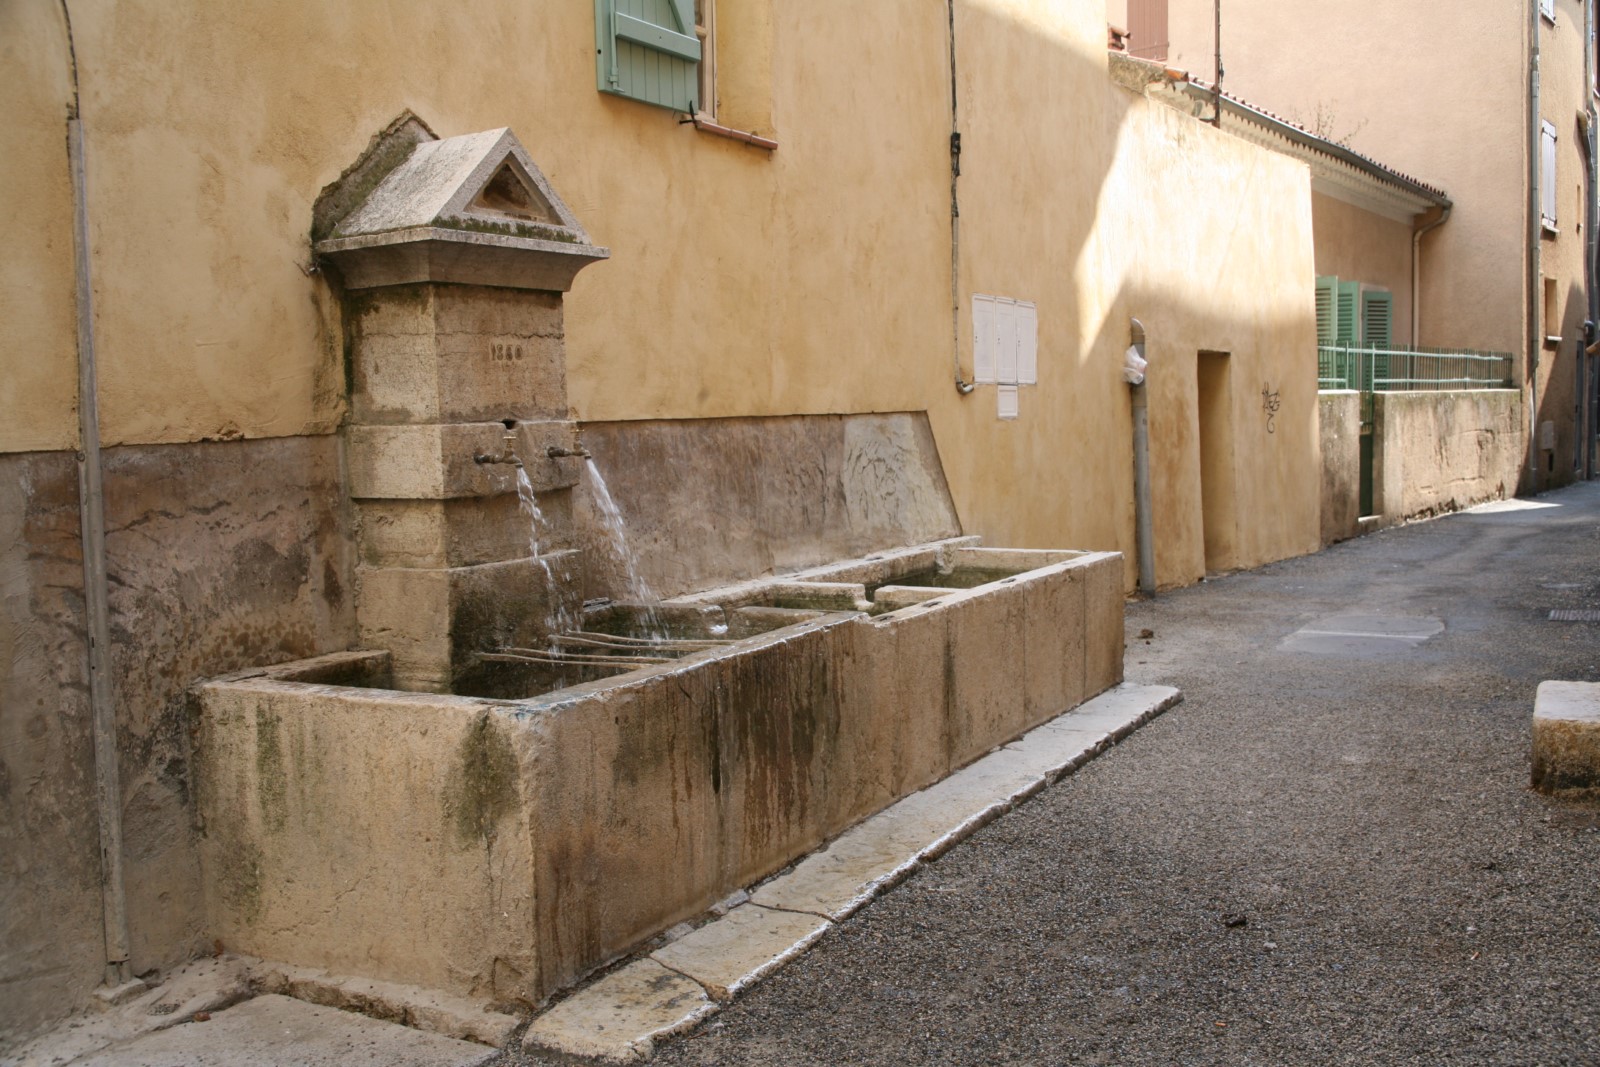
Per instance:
x=778, y=739
x=738, y=950
x=407, y=612
x=436, y=621
x=1054, y=636
x=1106, y=718
x=619, y=1018
x=1566, y=737
x=338, y=818
x=395, y=375
x=894, y=733
x=428, y=1010
x=451, y=533
x=626, y=786
x=1102, y=621
x=988, y=669
x=278, y=1030
x=1339, y=423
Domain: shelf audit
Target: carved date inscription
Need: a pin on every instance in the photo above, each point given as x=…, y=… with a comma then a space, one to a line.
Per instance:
x=505, y=352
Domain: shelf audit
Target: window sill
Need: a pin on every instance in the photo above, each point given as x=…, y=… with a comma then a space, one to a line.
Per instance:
x=742, y=136
x=1548, y=229
x=1552, y=341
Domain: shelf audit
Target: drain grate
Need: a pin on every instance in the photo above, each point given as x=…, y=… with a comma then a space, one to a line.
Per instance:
x=1574, y=615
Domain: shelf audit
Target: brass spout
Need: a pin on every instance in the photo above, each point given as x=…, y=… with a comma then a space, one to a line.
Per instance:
x=557, y=452
x=509, y=452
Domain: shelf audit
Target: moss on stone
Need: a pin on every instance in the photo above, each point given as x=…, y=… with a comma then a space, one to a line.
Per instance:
x=481, y=788
x=272, y=785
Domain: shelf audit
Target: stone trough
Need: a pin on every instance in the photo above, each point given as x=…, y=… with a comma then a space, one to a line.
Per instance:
x=504, y=848
x=489, y=798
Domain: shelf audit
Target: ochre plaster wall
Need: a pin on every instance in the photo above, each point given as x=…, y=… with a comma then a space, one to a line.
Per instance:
x=1441, y=96
x=813, y=280
x=1091, y=215
x=1359, y=246
x=1564, y=88
x=810, y=280
x=38, y=366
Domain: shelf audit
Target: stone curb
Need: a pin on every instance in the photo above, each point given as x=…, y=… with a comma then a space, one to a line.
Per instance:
x=618, y=1018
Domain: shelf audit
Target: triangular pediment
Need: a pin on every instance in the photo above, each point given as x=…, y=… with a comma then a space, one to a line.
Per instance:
x=479, y=181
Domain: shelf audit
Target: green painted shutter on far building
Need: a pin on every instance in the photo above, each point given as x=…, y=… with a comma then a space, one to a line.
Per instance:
x=1377, y=317
x=647, y=50
x=1327, y=311
x=1345, y=321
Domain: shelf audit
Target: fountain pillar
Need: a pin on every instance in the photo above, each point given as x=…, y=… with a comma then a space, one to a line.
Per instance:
x=453, y=256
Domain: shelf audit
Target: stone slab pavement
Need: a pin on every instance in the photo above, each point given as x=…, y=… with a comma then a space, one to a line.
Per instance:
x=278, y=1030
x=1330, y=855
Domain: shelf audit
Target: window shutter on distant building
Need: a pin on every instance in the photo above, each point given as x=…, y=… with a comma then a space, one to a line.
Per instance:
x=1147, y=29
x=1547, y=174
x=1347, y=306
x=1327, y=310
x=1377, y=318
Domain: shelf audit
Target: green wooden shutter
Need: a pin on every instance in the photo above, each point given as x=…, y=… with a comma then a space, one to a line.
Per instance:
x=1327, y=309
x=1346, y=328
x=647, y=50
x=1377, y=316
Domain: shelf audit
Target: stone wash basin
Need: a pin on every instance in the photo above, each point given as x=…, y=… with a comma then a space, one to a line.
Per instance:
x=503, y=844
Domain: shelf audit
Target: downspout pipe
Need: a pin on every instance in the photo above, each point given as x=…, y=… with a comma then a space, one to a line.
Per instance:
x=96, y=590
x=1416, y=271
x=1586, y=377
x=1535, y=252
x=1143, y=521
x=963, y=387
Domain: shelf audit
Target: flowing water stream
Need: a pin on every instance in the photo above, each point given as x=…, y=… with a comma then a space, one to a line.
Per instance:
x=638, y=591
x=558, y=619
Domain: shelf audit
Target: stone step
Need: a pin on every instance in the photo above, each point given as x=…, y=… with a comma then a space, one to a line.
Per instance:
x=272, y=1030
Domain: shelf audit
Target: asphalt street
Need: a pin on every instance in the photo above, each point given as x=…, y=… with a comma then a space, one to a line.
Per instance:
x=1328, y=854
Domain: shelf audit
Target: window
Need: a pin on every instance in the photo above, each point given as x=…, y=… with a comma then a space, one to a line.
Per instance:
x=650, y=50
x=1547, y=8
x=1552, y=312
x=1005, y=347
x=1547, y=175
x=705, y=31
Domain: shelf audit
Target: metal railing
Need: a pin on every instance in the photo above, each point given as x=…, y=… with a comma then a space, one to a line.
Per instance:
x=1410, y=369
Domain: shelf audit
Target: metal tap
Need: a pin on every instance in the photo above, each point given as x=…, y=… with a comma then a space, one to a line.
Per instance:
x=557, y=452
x=508, y=453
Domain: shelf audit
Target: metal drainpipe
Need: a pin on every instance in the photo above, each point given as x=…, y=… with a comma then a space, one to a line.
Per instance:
x=1535, y=236
x=1416, y=272
x=1586, y=404
x=92, y=523
x=963, y=387
x=1144, y=524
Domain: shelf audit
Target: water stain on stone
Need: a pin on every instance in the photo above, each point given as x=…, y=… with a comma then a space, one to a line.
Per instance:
x=272, y=791
x=481, y=787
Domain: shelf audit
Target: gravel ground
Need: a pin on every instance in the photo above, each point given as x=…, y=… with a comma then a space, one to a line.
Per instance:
x=1315, y=859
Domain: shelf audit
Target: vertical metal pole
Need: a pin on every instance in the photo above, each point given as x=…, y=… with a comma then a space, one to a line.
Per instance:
x=1141, y=491
x=1535, y=309
x=1216, y=85
x=91, y=510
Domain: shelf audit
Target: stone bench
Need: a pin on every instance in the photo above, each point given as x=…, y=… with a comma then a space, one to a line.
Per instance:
x=1566, y=737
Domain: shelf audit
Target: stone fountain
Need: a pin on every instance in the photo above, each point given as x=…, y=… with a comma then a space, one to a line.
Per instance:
x=422, y=811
